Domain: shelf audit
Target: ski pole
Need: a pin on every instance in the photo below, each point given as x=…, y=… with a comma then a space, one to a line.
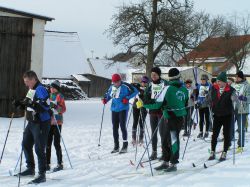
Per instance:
x=241, y=127
x=12, y=116
x=150, y=141
x=21, y=157
x=150, y=164
x=62, y=141
x=234, y=134
x=99, y=142
x=129, y=116
x=189, y=133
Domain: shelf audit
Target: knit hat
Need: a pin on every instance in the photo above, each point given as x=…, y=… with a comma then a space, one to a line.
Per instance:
x=188, y=81
x=204, y=77
x=145, y=79
x=116, y=77
x=56, y=84
x=240, y=74
x=156, y=70
x=174, y=73
x=222, y=77
x=213, y=80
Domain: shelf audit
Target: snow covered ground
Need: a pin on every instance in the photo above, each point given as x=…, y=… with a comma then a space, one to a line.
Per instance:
x=95, y=166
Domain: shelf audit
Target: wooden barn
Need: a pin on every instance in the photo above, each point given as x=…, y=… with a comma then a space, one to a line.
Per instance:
x=92, y=85
x=21, y=49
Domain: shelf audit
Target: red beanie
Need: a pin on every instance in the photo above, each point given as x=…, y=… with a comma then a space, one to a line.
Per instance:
x=116, y=77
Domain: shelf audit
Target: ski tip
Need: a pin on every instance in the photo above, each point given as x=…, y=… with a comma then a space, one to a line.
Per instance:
x=193, y=165
x=205, y=166
x=131, y=163
x=141, y=165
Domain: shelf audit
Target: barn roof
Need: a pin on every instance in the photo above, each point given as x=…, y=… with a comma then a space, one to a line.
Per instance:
x=22, y=13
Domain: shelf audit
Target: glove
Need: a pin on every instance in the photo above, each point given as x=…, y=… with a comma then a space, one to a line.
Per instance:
x=53, y=104
x=104, y=101
x=242, y=98
x=125, y=101
x=197, y=106
x=139, y=104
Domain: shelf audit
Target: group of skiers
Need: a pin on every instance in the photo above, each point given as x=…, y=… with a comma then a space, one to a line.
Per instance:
x=173, y=105
x=44, y=112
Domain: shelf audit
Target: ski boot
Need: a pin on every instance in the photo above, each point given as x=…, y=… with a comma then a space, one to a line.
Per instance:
x=206, y=135
x=27, y=172
x=116, y=148
x=124, y=148
x=171, y=168
x=239, y=150
x=212, y=156
x=58, y=168
x=153, y=155
x=200, y=135
x=39, y=179
x=163, y=166
x=223, y=156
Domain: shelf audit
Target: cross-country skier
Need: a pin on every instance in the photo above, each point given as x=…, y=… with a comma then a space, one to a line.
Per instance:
x=120, y=93
x=152, y=92
x=203, y=106
x=57, y=104
x=36, y=132
x=190, y=109
x=173, y=100
x=139, y=112
x=242, y=107
x=221, y=98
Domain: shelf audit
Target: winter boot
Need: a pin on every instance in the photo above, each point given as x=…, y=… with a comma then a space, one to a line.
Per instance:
x=171, y=168
x=153, y=155
x=163, y=166
x=212, y=156
x=223, y=156
x=58, y=168
x=133, y=142
x=116, y=148
x=27, y=172
x=141, y=142
x=185, y=134
x=200, y=135
x=48, y=167
x=239, y=150
x=124, y=148
x=206, y=135
x=39, y=179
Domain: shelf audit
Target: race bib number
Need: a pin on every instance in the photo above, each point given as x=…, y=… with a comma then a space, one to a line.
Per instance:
x=115, y=92
x=239, y=89
x=31, y=93
x=203, y=91
x=156, y=90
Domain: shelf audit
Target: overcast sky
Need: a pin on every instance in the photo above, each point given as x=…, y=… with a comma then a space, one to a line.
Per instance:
x=90, y=18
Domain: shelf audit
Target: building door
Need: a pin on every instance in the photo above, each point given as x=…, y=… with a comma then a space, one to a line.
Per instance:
x=15, y=59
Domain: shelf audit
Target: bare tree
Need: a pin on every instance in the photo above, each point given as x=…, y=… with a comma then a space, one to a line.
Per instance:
x=136, y=27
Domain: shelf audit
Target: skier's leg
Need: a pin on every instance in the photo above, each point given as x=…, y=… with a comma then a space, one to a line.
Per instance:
x=28, y=143
x=57, y=140
x=207, y=116
x=216, y=131
x=226, y=131
x=48, y=148
x=40, y=133
x=153, y=124
x=115, y=122
x=136, y=114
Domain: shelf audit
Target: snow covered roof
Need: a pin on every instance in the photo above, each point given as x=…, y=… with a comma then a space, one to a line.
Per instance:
x=103, y=69
x=166, y=69
x=80, y=78
x=63, y=55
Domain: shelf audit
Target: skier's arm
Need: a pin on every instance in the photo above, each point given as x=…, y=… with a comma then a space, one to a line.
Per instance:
x=41, y=103
x=107, y=94
x=60, y=106
x=133, y=92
